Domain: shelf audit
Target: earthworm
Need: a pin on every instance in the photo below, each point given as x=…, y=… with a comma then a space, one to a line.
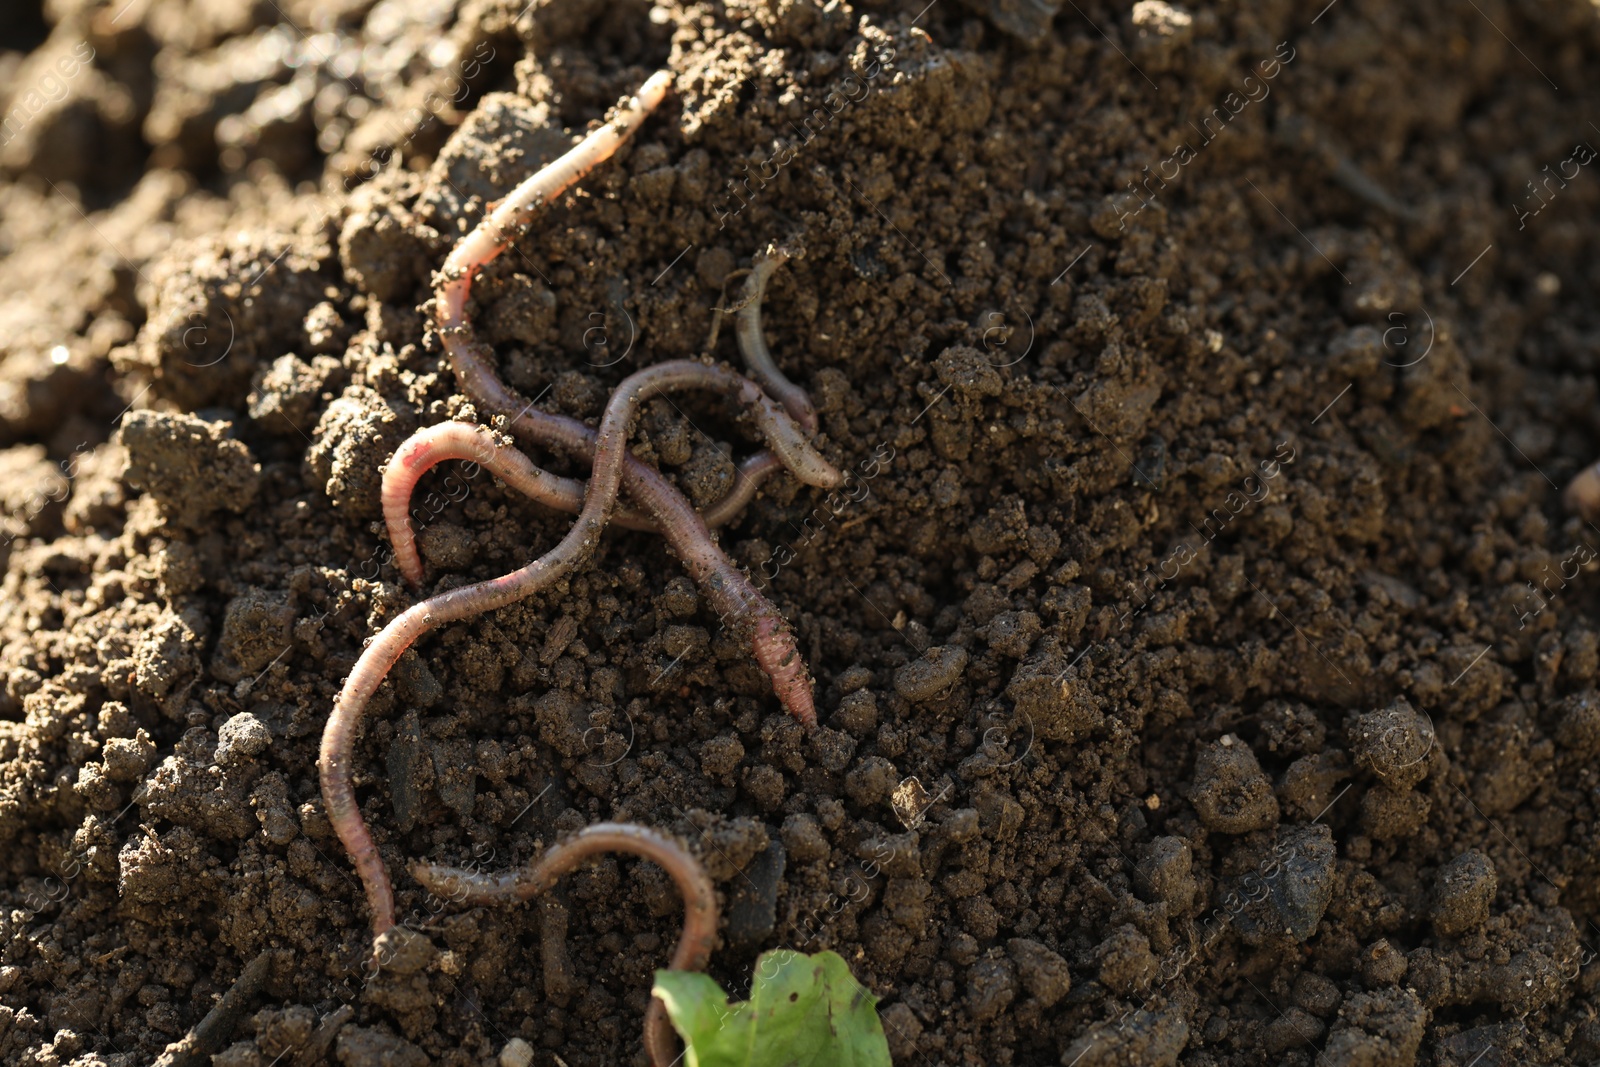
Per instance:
x=753, y=344
x=502, y=226
x=459, y=440
x=456, y=440
x=729, y=589
x=495, y=233
x=771, y=641
x=726, y=586
x=426, y=449
x=731, y=593
x=699, y=898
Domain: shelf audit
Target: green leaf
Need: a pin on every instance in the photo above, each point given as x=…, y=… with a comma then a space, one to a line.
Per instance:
x=803, y=1011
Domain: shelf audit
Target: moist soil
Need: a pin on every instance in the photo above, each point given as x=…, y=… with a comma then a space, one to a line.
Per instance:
x=1206, y=660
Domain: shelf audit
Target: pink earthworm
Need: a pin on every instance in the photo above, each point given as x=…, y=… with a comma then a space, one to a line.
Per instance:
x=459, y=440
x=507, y=221
x=727, y=587
x=753, y=343
x=773, y=643
x=494, y=234
x=699, y=898
x=428, y=448
x=732, y=594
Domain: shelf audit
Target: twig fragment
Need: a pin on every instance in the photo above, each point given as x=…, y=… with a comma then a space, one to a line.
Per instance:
x=212, y=1032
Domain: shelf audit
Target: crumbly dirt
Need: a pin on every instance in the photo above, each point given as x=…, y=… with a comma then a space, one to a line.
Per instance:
x=1207, y=672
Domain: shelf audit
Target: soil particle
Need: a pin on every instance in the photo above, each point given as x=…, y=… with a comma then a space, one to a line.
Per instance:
x=1165, y=874
x=1578, y=727
x=447, y=546
x=354, y=438
x=1382, y=1028
x=127, y=758
x=931, y=674
x=871, y=781
x=1393, y=743
x=804, y=839
x=381, y=249
x=1044, y=973
x=1311, y=783
x=255, y=631
x=728, y=845
x=1301, y=893
x=991, y=987
x=1463, y=889
x=709, y=473
x=369, y=1046
x=33, y=487
x=1389, y=814
x=902, y=1027
x=1050, y=697
x=241, y=738
x=1294, y=1029
x=189, y=466
x=753, y=902
x=1126, y=962
x=1382, y=965
x=288, y=392
x=1231, y=793
x=1316, y=993
x=191, y=790
x=1155, y=1038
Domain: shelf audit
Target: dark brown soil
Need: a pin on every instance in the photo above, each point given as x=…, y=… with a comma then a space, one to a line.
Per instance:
x=1208, y=673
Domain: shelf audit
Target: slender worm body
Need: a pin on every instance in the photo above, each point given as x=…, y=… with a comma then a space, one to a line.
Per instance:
x=699, y=898
x=613, y=469
x=753, y=343
x=491, y=236
x=428, y=448
x=773, y=643
x=727, y=587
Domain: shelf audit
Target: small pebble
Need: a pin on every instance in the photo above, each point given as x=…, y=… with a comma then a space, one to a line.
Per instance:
x=517, y=1053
